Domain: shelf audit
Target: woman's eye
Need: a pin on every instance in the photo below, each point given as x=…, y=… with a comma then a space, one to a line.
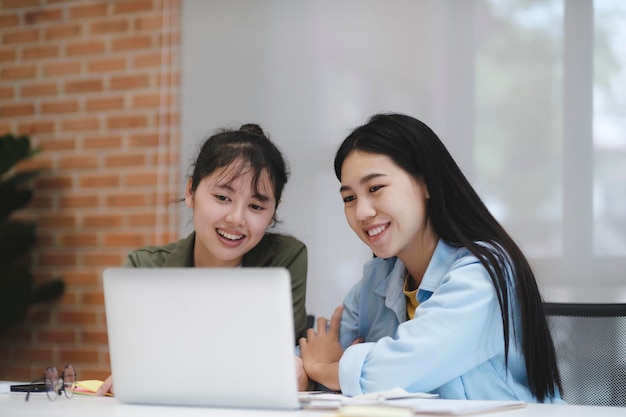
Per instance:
x=375, y=188
x=348, y=199
x=222, y=198
x=256, y=207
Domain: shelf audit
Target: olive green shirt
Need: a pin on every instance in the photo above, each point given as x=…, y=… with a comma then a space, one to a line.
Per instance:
x=273, y=250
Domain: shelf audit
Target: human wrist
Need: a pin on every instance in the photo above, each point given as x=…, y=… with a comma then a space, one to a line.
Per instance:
x=326, y=374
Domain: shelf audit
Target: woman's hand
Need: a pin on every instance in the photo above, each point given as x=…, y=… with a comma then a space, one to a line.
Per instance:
x=303, y=378
x=106, y=387
x=320, y=351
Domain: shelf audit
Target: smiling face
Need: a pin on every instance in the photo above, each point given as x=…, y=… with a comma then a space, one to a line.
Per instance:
x=386, y=207
x=229, y=216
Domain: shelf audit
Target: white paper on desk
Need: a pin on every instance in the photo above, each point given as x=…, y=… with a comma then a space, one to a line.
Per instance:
x=392, y=394
x=440, y=407
x=329, y=400
x=321, y=399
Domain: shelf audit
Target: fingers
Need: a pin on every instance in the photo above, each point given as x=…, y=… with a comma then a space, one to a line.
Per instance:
x=310, y=333
x=106, y=386
x=357, y=341
x=335, y=322
x=298, y=364
x=335, y=319
x=321, y=324
x=303, y=379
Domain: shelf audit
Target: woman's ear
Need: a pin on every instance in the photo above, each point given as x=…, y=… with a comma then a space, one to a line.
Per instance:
x=189, y=193
x=273, y=220
x=424, y=187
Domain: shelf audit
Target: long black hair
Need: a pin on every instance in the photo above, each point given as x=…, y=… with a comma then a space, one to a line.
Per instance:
x=461, y=219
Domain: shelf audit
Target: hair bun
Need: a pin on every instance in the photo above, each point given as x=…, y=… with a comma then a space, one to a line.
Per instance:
x=252, y=128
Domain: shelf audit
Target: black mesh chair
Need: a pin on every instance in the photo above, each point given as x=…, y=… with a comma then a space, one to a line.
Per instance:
x=590, y=342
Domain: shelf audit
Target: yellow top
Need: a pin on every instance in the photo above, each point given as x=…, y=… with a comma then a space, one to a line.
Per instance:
x=411, y=298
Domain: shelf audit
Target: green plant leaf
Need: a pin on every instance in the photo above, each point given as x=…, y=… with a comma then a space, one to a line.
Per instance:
x=17, y=291
x=47, y=291
x=16, y=238
x=15, y=295
x=12, y=198
x=22, y=177
x=13, y=149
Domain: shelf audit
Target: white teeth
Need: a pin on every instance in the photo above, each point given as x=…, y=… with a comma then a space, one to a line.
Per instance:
x=376, y=230
x=229, y=236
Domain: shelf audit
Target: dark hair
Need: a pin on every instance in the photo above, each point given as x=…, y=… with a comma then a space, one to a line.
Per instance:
x=252, y=148
x=461, y=219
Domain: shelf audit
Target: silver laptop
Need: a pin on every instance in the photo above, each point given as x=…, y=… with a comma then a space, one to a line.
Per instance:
x=201, y=336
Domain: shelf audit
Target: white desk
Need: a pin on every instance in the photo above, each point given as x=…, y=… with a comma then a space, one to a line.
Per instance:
x=13, y=405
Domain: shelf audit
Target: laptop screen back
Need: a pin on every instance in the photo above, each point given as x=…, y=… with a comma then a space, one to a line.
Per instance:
x=201, y=336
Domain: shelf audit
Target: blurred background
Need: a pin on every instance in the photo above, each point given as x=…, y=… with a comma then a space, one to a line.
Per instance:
x=529, y=96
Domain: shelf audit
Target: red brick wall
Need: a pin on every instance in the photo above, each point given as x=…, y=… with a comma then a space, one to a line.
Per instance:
x=96, y=85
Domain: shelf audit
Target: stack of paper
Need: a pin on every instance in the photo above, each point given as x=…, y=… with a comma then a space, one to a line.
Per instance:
x=399, y=403
x=331, y=400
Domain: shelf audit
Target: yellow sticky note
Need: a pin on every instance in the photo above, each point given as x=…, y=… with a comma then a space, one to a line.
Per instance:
x=87, y=387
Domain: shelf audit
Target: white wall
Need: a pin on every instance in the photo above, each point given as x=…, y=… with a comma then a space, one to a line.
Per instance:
x=310, y=71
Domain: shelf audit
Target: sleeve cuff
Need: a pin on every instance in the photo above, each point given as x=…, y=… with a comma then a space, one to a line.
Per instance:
x=351, y=366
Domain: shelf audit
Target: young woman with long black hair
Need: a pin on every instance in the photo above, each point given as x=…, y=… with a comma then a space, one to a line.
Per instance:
x=449, y=304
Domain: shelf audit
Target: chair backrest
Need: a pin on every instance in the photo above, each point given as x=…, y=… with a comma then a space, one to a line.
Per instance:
x=590, y=342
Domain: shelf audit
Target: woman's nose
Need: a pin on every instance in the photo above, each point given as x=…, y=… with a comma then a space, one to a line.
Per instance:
x=236, y=215
x=364, y=209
